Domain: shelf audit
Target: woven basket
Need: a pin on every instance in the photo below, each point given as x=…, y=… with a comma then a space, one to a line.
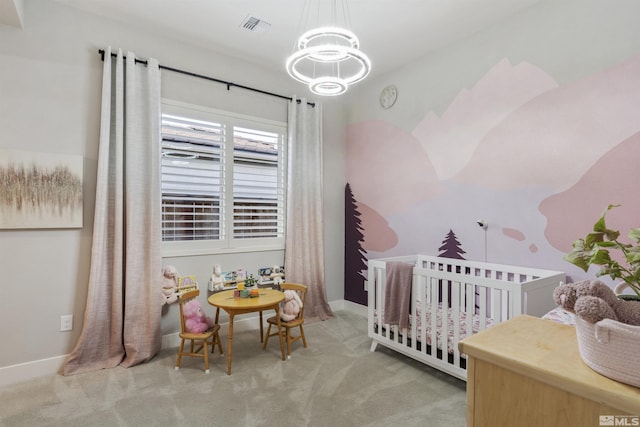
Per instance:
x=610, y=348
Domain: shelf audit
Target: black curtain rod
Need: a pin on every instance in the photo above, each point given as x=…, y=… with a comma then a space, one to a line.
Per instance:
x=213, y=79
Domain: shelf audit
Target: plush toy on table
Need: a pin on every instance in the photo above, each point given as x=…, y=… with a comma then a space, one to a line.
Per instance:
x=277, y=275
x=291, y=306
x=593, y=301
x=169, y=284
x=195, y=320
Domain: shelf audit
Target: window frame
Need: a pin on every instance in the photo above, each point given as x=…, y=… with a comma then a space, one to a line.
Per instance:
x=229, y=244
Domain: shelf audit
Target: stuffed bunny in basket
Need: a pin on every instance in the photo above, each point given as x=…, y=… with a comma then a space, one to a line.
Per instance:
x=593, y=301
x=195, y=320
x=291, y=306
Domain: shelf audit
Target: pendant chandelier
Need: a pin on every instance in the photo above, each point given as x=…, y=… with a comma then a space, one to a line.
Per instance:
x=328, y=58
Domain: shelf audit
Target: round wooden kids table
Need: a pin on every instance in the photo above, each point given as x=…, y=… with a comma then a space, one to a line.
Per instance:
x=268, y=299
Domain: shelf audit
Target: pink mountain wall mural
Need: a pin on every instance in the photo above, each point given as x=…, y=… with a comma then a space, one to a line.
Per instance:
x=538, y=161
x=467, y=121
x=384, y=237
x=553, y=139
x=613, y=179
x=393, y=171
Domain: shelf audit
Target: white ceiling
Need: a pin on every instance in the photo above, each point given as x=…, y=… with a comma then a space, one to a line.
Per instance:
x=391, y=32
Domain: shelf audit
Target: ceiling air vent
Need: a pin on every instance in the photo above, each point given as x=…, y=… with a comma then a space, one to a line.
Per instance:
x=254, y=24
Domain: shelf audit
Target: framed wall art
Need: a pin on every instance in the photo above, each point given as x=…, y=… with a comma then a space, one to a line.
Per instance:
x=40, y=190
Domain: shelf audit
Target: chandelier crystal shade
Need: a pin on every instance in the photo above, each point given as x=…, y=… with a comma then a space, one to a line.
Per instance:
x=328, y=60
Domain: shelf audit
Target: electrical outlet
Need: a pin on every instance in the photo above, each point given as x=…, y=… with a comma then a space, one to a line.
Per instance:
x=66, y=323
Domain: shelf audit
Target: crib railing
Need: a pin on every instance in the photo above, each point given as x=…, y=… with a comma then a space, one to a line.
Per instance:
x=482, y=293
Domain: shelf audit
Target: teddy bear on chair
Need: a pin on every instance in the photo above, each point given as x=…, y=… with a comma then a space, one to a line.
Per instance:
x=291, y=306
x=593, y=301
x=195, y=320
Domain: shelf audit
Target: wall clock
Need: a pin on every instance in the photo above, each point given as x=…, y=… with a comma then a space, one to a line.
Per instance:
x=388, y=96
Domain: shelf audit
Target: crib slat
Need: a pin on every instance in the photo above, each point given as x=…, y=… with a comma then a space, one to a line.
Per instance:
x=495, y=303
x=482, y=298
x=455, y=312
x=444, y=336
x=470, y=303
x=424, y=301
x=415, y=286
x=434, y=319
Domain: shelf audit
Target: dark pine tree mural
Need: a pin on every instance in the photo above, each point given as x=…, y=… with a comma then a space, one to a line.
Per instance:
x=355, y=260
x=451, y=247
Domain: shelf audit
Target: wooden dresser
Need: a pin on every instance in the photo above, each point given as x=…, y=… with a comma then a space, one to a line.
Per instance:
x=528, y=372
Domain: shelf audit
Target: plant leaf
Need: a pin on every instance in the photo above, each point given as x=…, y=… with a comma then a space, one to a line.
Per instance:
x=612, y=234
x=600, y=226
x=633, y=255
x=601, y=257
x=607, y=244
x=634, y=234
x=577, y=258
x=579, y=245
x=593, y=238
x=611, y=271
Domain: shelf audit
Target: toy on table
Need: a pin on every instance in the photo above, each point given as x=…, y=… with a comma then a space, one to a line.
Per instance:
x=277, y=275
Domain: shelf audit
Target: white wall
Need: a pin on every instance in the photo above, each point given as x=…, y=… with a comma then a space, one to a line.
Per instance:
x=568, y=39
x=50, y=75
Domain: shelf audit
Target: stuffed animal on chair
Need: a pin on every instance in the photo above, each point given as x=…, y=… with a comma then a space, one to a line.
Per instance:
x=291, y=307
x=169, y=284
x=195, y=320
x=593, y=301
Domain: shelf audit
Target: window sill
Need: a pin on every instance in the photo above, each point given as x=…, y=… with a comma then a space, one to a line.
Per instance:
x=169, y=252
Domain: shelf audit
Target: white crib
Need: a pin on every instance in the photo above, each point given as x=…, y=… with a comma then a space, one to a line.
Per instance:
x=460, y=298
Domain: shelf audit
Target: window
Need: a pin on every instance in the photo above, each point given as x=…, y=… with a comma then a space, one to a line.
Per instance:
x=222, y=181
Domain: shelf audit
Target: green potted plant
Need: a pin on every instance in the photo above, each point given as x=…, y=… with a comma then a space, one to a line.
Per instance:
x=596, y=249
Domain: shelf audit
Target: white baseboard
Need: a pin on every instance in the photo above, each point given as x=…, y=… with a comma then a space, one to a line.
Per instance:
x=52, y=366
x=352, y=307
x=29, y=370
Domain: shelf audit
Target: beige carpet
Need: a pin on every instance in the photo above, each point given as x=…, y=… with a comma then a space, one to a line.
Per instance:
x=336, y=381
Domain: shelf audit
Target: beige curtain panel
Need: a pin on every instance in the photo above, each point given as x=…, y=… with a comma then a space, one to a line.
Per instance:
x=122, y=315
x=304, y=247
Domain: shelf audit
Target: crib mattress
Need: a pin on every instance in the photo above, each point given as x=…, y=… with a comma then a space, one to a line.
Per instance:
x=451, y=344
